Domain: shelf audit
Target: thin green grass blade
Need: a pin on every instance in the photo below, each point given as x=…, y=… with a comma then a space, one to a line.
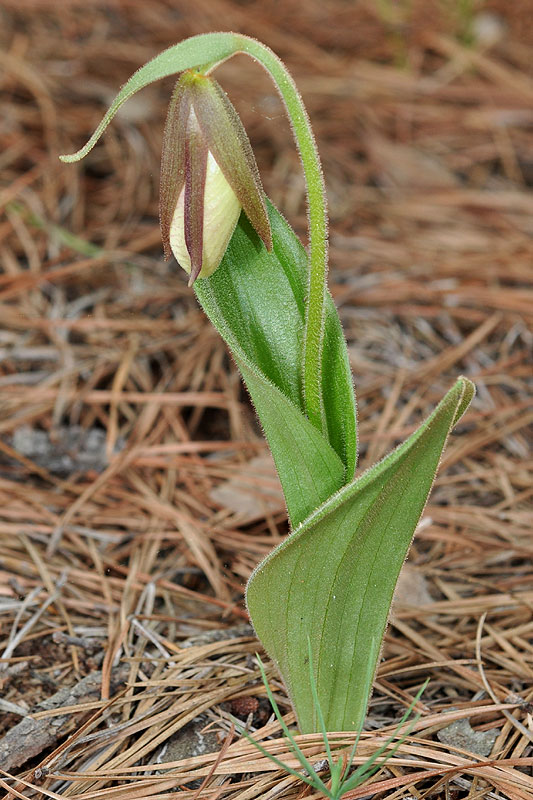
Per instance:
x=275, y=760
x=312, y=779
x=353, y=751
x=369, y=768
x=339, y=786
x=296, y=750
x=334, y=577
x=336, y=779
x=373, y=765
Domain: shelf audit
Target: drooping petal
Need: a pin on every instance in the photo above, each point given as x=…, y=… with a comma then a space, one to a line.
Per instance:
x=194, y=194
x=230, y=146
x=172, y=177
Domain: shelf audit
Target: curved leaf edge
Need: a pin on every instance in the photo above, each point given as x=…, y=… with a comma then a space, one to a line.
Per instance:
x=338, y=389
x=465, y=390
x=292, y=259
x=313, y=474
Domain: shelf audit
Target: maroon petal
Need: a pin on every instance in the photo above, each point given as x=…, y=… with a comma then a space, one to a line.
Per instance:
x=173, y=159
x=195, y=172
x=230, y=146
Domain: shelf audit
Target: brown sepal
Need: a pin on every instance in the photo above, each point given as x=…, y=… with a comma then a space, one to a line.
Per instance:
x=172, y=177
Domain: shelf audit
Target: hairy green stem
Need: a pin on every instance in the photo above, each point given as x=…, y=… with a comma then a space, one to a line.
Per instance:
x=317, y=210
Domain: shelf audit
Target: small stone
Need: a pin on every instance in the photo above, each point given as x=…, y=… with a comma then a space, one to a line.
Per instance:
x=190, y=742
x=461, y=734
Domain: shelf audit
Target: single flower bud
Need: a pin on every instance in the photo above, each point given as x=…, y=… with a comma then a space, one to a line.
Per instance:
x=208, y=174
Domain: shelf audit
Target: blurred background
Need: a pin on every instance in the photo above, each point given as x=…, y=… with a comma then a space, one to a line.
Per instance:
x=136, y=490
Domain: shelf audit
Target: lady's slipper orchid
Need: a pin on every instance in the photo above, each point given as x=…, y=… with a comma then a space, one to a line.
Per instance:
x=208, y=174
x=326, y=590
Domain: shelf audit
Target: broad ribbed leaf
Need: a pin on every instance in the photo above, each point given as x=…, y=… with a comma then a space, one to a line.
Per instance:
x=334, y=577
x=256, y=301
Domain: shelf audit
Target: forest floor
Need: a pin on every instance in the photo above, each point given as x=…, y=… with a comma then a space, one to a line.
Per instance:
x=136, y=490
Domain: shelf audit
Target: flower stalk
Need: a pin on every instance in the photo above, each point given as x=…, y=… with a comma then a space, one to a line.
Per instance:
x=318, y=223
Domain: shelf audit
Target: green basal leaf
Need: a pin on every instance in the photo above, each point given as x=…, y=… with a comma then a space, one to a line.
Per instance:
x=256, y=301
x=334, y=577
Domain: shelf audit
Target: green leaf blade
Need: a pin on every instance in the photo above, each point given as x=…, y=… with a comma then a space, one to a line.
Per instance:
x=338, y=392
x=256, y=300
x=308, y=467
x=334, y=578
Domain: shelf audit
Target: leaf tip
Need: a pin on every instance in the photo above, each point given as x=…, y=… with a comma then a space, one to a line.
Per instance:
x=468, y=391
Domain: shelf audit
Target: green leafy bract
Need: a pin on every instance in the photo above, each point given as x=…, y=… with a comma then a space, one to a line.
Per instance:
x=200, y=52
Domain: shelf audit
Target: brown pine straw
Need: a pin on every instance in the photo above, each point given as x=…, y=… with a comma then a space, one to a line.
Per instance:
x=136, y=491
